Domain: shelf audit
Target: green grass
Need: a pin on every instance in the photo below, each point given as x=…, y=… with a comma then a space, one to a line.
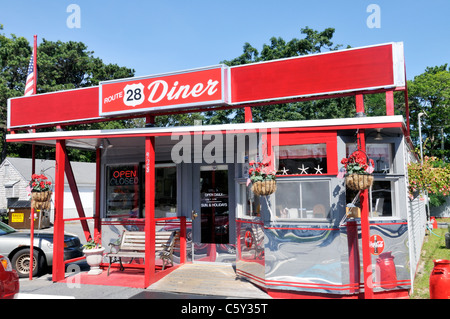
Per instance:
x=433, y=248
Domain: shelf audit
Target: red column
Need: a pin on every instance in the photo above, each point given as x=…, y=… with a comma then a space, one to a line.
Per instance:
x=31, y=243
x=97, y=225
x=248, y=114
x=182, y=239
x=149, y=210
x=359, y=100
x=390, y=102
x=353, y=256
x=58, y=229
x=365, y=231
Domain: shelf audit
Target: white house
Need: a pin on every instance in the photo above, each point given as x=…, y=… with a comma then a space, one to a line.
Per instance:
x=15, y=174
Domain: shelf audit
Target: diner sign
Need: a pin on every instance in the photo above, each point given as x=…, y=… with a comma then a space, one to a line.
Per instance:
x=194, y=88
x=351, y=71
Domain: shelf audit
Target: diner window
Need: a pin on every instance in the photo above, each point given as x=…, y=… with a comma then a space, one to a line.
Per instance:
x=302, y=159
x=125, y=191
x=381, y=198
x=166, y=190
x=249, y=203
x=122, y=191
x=383, y=191
x=380, y=153
x=307, y=200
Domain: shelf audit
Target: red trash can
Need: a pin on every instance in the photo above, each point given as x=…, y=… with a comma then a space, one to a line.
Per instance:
x=440, y=280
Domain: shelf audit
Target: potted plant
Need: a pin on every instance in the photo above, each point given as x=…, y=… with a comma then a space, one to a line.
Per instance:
x=93, y=251
x=40, y=188
x=358, y=171
x=262, y=178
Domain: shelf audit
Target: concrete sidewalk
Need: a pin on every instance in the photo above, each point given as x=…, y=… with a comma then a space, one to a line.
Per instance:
x=191, y=281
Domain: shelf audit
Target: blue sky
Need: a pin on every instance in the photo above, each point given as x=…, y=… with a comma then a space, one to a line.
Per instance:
x=163, y=36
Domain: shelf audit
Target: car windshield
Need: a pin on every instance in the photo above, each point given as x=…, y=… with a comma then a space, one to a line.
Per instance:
x=5, y=229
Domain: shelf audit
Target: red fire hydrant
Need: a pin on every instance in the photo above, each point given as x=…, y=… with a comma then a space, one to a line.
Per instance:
x=440, y=280
x=385, y=272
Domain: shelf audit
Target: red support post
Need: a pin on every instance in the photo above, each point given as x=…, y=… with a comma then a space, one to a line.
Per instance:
x=58, y=229
x=182, y=239
x=390, y=102
x=365, y=230
x=97, y=224
x=353, y=256
x=248, y=114
x=359, y=101
x=150, y=225
x=31, y=243
x=33, y=171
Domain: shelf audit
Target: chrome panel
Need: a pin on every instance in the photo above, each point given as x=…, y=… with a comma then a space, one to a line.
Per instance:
x=315, y=257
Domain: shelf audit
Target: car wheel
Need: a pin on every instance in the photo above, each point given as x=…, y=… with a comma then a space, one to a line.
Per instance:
x=21, y=262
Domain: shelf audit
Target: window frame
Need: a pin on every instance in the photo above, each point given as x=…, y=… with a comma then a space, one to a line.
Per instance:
x=304, y=179
x=141, y=187
x=308, y=138
x=393, y=176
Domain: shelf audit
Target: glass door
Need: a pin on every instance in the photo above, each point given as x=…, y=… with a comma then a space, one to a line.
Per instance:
x=211, y=210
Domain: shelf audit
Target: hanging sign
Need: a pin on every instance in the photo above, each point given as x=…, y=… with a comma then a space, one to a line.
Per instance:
x=194, y=88
x=376, y=244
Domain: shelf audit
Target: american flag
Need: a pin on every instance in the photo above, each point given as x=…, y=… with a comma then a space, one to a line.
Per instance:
x=29, y=86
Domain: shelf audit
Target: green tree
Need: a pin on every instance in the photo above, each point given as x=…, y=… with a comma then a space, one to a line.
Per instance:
x=430, y=92
x=313, y=42
x=60, y=66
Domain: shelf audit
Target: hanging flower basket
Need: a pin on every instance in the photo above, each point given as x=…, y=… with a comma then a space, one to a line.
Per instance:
x=41, y=196
x=40, y=192
x=262, y=179
x=264, y=188
x=358, y=170
x=359, y=182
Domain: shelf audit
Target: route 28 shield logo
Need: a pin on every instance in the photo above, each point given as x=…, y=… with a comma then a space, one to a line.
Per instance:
x=133, y=94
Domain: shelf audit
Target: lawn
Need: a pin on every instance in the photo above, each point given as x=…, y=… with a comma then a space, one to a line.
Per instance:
x=433, y=248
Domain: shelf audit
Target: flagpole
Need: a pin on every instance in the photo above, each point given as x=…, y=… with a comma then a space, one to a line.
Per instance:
x=33, y=166
x=35, y=63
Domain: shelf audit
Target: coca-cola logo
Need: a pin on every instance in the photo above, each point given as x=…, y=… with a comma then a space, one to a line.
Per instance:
x=186, y=89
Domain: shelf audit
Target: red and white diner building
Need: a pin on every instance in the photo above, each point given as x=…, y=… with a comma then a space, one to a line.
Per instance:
x=296, y=243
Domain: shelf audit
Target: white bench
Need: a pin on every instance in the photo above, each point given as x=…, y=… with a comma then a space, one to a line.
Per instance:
x=132, y=245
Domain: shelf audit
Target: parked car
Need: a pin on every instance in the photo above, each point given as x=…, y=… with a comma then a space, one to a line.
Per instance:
x=9, y=280
x=16, y=246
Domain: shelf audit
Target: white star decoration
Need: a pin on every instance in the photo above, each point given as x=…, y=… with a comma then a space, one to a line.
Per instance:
x=318, y=169
x=303, y=170
x=386, y=169
x=284, y=171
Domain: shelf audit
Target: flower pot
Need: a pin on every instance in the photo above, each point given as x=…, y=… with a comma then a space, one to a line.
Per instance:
x=94, y=257
x=264, y=188
x=41, y=196
x=359, y=182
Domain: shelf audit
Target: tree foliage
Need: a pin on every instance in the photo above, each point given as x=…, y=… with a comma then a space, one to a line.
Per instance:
x=429, y=92
x=313, y=42
x=60, y=66
x=433, y=177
